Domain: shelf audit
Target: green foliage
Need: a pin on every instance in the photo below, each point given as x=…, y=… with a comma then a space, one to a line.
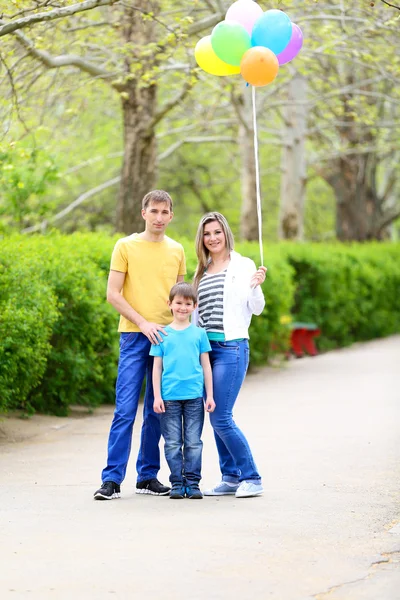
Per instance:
x=28, y=313
x=58, y=336
x=77, y=364
x=25, y=175
x=351, y=292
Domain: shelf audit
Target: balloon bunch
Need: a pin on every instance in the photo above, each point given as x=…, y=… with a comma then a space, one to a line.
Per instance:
x=251, y=42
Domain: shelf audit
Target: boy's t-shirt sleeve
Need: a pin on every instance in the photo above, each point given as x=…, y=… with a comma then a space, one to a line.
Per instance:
x=119, y=258
x=156, y=350
x=205, y=345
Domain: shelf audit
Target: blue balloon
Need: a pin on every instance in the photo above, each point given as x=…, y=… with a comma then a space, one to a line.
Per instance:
x=272, y=30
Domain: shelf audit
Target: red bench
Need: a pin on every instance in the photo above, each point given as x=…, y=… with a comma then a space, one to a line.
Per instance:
x=302, y=338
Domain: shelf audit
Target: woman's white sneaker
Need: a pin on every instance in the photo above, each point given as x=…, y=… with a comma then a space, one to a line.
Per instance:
x=224, y=488
x=247, y=489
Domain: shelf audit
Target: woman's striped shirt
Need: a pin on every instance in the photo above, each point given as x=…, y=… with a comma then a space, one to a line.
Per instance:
x=211, y=302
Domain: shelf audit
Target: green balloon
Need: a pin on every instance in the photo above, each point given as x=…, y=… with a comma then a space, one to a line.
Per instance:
x=230, y=41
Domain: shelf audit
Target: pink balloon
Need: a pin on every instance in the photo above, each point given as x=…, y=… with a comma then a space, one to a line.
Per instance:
x=293, y=47
x=245, y=12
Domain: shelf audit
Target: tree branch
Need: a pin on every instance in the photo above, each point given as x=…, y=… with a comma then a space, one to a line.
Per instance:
x=390, y=216
x=205, y=23
x=168, y=106
x=55, y=62
x=391, y=5
x=73, y=205
x=58, y=13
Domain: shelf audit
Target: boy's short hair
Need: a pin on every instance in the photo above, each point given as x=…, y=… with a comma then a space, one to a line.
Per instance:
x=186, y=290
x=157, y=196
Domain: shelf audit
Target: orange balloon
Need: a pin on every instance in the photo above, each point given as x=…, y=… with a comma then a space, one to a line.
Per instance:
x=259, y=66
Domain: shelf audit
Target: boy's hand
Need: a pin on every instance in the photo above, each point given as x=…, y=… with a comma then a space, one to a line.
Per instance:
x=210, y=405
x=159, y=406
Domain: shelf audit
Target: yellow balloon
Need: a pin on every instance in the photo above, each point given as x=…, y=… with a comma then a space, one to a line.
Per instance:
x=209, y=61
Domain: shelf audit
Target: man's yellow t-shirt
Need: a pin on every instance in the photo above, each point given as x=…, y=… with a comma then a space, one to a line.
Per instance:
x=151, y=270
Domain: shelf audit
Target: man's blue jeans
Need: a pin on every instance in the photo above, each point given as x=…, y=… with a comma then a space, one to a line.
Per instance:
x=229, y=362
x=182, y=424
x=134, y=364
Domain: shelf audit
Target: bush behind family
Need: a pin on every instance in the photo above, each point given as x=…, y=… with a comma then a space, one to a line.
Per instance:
x=58, y=345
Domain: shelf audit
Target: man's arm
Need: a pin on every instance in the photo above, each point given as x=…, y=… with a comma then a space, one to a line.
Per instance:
x=208, y=382
x=115, y=284
x=158, y=404
x=180, y=278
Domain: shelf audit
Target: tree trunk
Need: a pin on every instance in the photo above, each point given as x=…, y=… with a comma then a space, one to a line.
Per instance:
x=248, y=220
x=139, y=163
x=361, y=211
x=293, y=164
x=358, y=207
x=139, y=103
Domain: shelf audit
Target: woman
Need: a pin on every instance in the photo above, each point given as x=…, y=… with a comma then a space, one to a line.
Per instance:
x=229, y=294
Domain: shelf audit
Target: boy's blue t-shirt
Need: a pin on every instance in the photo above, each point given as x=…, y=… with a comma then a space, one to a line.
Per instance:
x=182, y=376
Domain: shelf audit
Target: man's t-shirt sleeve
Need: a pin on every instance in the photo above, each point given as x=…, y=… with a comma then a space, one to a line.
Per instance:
x=204, y=342
x=182, y=266
x=119, y=259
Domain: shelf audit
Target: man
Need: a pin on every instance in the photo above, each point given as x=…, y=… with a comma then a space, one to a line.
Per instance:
x=144, y=267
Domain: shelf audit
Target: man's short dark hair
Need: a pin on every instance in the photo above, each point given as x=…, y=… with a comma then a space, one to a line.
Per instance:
x=185, y=290
x=157, y=196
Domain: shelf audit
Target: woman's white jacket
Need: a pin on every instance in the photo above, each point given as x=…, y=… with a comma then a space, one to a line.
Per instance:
x=240, y=300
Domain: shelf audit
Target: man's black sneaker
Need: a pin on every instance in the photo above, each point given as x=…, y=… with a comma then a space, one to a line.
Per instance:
x=178, y=491
x=153, y=487
x=108, y=491
x=193, y=492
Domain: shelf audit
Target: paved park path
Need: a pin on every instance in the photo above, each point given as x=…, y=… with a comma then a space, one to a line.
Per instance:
x=325, y=432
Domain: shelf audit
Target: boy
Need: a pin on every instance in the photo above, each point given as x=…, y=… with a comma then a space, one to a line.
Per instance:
x=181, y=370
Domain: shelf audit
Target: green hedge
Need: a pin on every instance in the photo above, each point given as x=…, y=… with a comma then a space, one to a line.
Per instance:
x=28, y=313
x=58, y=335
x=350, y=291
x=77, y=355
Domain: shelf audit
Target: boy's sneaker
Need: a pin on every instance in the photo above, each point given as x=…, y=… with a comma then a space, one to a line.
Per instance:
x=224, y=488
x=247, y=489
x=108, y=491
x=193, y=492
x=153, y=487
x=177, y=492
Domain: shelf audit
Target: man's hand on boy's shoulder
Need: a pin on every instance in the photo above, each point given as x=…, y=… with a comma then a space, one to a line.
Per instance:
x=158, y=405
x=210, y=404
x=152, y=331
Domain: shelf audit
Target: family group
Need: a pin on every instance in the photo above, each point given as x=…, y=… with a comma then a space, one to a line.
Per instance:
x=190, y=343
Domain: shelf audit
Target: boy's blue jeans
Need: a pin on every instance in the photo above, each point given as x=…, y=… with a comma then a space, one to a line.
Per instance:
x=182, y=425
x=134, y=364
x=229, y=362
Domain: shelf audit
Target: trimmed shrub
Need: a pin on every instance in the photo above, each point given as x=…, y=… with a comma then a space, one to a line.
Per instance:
x=351, y=292
x=58, y=335
x=81, y=368
x=28, y=313
x=80, y=347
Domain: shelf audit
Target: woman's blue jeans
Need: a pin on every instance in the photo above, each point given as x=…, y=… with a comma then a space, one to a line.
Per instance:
x=229, y=361
x=134, y=365
x=182, y=425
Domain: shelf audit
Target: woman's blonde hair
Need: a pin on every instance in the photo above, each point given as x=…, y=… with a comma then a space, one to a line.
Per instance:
x=203, y=255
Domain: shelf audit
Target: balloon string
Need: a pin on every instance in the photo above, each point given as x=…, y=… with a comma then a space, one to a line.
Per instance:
x=259, y=215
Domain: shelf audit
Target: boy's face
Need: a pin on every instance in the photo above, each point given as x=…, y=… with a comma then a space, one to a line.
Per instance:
x=157, y=216
x=182, y=307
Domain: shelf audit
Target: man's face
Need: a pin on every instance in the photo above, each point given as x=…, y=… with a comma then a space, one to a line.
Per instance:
x=157, y=216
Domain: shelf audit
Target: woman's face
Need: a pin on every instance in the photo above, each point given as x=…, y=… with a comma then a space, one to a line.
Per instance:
x=214, y=237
